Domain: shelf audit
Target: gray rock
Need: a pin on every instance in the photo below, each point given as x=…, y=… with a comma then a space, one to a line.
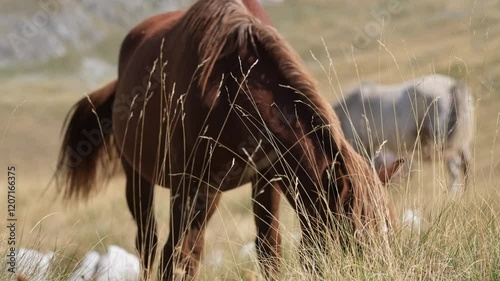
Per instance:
x=33, y=34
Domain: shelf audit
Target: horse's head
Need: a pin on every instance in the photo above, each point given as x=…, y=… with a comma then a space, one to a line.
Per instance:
x=338, y=182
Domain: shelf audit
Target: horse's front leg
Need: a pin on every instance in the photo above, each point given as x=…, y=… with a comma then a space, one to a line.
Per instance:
x=190, y=212
x=140, y=193
x=266, y=199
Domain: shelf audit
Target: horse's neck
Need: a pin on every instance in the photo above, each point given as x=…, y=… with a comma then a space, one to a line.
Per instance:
x=256, y=9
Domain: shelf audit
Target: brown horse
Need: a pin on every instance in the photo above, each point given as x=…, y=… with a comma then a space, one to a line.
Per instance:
x=205, y=101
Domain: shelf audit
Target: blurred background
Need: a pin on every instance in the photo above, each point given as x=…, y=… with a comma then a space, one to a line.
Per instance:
x=53, y=52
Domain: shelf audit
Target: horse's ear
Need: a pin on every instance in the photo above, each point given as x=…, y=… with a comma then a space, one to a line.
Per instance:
x=386, y=173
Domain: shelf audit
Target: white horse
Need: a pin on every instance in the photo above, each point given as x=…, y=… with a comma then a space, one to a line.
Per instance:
x=434, y=114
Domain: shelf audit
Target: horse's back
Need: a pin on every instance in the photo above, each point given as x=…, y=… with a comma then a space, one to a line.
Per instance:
x=368, y=116
x=137, y=112
x=396, y=116
x=255, y=8
x=144, y=31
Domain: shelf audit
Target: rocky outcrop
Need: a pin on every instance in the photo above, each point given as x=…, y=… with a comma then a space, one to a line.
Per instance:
x=42, y=30
x=34, y=32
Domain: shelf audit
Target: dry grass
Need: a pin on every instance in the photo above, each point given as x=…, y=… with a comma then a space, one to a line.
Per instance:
x=459, y=237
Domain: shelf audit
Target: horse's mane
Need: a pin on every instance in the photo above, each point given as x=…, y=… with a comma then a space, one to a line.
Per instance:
x=223, y=26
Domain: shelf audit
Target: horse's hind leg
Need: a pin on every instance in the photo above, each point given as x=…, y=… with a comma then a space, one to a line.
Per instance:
x=190, y=212
x=454, y=164
x=465, y=156
x=140, y=193
x=460, y=162
x=266, y=199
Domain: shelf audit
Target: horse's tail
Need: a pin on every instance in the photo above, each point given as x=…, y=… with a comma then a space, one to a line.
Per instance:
x=460, y=123
x=86, y=147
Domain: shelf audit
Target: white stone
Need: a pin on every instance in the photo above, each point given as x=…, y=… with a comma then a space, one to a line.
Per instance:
x=87, y=267
x=33, y=265
x=118, y=265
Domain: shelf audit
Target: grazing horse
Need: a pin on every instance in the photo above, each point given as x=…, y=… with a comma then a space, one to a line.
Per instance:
x=434, y=113
x=206, y=100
